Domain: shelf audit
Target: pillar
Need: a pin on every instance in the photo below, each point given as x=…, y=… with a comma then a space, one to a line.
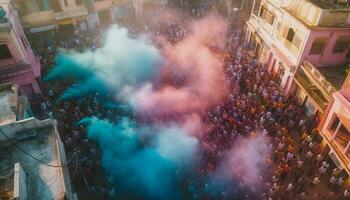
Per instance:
x=336, y=130
x=347, y=148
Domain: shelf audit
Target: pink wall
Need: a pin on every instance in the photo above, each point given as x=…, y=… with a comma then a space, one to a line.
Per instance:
x=327, y=57
x=22, y=53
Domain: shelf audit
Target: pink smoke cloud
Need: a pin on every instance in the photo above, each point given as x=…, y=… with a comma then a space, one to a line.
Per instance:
x=194, y=60
x=247, y=160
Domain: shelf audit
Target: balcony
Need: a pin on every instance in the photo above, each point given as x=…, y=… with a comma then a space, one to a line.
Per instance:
x=39, y=18
x=5, y=26
x=9, y=71
x=311, y=91
x=325, y=78
x=103, y=5
x=81, y=11
x=315, y=84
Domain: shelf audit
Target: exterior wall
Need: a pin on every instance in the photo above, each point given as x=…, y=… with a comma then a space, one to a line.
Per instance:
x=327, y=57
x=316, y=16
x=40, y=18
x=35, y=17
x=292, y=50
x=21, y=52
x=306, y=10
x=71, y=12
x=273, y=48
x=340, y=106
x=103, y=5
x=276, y=52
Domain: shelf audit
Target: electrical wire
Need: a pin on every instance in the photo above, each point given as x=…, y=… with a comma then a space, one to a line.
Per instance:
x=76, y=167
x=6, y=176
x=30, y=155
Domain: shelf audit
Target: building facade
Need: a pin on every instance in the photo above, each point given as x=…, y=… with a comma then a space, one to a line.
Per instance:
x=45, y=15
x=18, y=64
x=286, y=33
x=335, y=128
x=305, y=45
x=46, y=176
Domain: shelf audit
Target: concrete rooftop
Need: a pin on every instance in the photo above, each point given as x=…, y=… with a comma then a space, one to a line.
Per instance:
x=8, y=104
x=43, y=182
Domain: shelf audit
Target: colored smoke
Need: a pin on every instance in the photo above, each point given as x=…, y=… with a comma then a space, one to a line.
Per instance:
x=150, y=171
x=193, y=60
x=120, y=62
x=150, y=160
x=247, y=160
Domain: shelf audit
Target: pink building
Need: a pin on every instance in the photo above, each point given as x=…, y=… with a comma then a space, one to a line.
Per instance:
x=305, y=44
x=335, y=128
x=285, y=33
x=18, y=63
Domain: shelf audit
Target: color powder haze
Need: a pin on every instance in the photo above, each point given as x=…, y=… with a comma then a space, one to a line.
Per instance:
x=155, y=154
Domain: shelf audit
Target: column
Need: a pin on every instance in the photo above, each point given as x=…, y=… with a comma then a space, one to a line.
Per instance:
x=347, y=148
x=336, y=130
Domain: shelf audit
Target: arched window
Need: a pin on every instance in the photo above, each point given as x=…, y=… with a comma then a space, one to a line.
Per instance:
x=290, y=35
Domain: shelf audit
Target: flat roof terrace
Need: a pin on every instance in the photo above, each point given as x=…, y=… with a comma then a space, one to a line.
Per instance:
x=42, y=181
x=331, y=5
x=8, y=104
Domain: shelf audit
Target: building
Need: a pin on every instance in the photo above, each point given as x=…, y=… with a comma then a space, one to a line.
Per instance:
x=109, y=11
x=47, y=15
x=144, y=8
x=12, y=106
x=69, y=15
x=315, y=86
x=18, y=64
x=335, y=128
x=33, y=163
x=286, y=33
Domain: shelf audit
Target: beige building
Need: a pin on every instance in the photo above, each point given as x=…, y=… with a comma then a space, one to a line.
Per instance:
x=47, y=15
x=26, y=178
x=285, y=33
x=33, y=162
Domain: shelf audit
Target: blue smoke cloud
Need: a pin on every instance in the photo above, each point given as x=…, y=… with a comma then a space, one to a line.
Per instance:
x=146, y=162
x=121, y=61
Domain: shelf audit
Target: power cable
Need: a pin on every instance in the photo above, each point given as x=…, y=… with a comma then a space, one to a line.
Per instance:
x=30, y=155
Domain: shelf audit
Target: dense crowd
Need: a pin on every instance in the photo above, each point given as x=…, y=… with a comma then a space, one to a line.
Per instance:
x=255, y=103
x=300, y=168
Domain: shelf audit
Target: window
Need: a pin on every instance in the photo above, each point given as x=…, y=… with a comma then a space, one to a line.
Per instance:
x=290, y=35
x=23, y=8
x=268, y=16
x=55, y=5
x=317, y=46
x=44, y=5
x=79, y=2
x=348, y=55
x=5, y=52
x=342, y=44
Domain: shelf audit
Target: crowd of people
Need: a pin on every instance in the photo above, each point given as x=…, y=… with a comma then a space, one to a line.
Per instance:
x=298, y=167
